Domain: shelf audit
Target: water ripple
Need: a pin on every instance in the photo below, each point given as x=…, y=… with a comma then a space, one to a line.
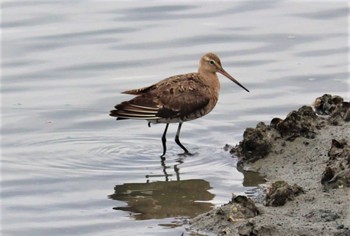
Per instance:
x=65, y=64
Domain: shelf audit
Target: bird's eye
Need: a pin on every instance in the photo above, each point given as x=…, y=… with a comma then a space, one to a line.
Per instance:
x=212, y=62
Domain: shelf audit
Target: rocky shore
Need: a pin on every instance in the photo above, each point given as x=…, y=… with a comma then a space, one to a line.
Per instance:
x=305, y=159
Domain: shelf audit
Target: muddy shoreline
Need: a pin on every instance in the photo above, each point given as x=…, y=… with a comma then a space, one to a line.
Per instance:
x=305, y=159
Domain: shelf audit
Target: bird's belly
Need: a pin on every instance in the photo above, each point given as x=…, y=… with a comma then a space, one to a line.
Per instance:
x=187, y=117
x=166, y=120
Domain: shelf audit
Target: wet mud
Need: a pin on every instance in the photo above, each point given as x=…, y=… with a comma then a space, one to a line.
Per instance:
x=305, y=159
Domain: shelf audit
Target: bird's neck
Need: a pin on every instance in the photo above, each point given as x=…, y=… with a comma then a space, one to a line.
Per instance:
x=210, y=79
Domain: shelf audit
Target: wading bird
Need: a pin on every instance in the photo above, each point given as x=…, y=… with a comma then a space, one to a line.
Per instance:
x=176, y=99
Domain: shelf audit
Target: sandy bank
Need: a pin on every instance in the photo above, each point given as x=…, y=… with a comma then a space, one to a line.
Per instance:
x=306, y=161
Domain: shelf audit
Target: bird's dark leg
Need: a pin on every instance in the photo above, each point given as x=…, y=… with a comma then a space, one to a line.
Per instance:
x=164, y=140
x=177, y=140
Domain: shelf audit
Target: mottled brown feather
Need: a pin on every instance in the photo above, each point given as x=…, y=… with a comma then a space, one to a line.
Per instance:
x=177, y=97
x=138, y=91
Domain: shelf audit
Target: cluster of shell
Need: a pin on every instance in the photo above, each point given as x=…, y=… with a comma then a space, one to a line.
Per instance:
x=333, y=106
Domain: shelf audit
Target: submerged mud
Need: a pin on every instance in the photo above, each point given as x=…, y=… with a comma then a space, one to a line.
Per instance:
x=306, y=160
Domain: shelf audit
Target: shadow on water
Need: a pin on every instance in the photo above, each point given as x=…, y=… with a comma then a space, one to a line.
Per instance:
x=164, y=199
x=252, y=178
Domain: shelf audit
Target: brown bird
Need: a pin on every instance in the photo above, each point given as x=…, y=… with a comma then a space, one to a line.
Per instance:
x=176, y=99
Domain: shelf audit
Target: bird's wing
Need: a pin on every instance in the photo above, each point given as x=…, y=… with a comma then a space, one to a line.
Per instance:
x=156, y=85
x=175, y=97
x=181, y=97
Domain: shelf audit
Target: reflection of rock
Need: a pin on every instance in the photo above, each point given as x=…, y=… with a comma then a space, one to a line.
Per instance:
x=252, y=178
x=159, y=200
x=337, y=171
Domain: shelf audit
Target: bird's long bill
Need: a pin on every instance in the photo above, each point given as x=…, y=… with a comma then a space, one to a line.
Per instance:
x=223, y=72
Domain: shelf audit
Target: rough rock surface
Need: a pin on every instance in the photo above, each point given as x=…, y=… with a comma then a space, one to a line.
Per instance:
x=337, y=171
x=280, y=192
x=307, y=155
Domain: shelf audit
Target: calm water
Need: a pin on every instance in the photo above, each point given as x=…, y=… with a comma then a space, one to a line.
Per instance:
x=70, y=169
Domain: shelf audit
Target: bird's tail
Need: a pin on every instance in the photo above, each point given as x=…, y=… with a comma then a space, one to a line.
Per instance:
x=129, y=110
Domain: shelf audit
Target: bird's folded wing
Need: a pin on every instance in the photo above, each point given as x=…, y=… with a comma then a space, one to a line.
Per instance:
x=171, y=98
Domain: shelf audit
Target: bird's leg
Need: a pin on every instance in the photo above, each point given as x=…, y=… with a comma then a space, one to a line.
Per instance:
x=177, y=140
x=164, y=140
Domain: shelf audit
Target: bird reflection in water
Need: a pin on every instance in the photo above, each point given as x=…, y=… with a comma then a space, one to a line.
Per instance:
x=165, y=171
x=164, y=199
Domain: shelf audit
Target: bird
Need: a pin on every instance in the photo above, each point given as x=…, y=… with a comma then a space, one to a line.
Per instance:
x=176, y=99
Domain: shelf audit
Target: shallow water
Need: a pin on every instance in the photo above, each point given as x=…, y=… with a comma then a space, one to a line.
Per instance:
x=70, y=169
